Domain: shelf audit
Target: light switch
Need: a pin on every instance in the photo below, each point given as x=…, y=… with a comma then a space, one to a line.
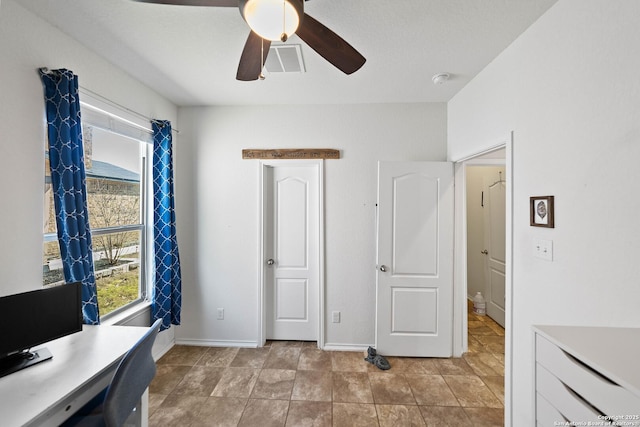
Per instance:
x=543, y=249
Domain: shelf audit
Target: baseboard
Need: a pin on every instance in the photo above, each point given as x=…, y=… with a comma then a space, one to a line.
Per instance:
x=158, y=352
x=217, y=343
x=346, y=347
x=254, y=344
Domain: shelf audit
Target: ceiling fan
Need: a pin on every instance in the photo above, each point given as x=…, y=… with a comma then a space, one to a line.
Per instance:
x=272, y=20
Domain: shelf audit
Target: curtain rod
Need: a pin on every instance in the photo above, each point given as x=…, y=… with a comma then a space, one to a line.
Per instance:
x=45, y=70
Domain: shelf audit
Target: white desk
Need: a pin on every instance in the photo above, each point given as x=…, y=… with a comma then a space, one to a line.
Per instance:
x=48, y=393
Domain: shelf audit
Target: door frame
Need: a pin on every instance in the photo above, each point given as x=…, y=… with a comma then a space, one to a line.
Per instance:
x=460, y=341
x=318, y=165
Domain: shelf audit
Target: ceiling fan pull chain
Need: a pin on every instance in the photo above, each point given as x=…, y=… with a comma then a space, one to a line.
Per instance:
x=284, y=36
x=261, y=75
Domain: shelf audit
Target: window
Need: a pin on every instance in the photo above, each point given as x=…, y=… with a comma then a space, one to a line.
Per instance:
x=116, y=179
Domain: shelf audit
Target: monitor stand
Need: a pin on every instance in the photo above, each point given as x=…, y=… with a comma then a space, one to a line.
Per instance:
x=19, y=361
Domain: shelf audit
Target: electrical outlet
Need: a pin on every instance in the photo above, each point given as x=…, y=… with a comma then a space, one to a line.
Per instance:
x=543, y=249
x=335, y=317
x=221, y=314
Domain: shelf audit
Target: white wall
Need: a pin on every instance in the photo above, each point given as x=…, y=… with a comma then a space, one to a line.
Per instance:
x=569, y=88
x=26, y=44
x=218, y=208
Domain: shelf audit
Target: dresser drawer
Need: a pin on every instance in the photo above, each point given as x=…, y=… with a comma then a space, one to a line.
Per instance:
x=546, y=414
x=595, y=389
x=565, y=401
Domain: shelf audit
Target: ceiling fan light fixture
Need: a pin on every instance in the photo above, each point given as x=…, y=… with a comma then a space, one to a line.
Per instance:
x=274, y=20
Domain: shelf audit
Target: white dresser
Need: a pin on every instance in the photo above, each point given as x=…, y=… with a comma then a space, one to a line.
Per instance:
x=587, y=376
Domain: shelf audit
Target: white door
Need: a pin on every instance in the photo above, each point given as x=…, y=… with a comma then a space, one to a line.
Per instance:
x=414, y=312
x=494, y=213
x=291, y=250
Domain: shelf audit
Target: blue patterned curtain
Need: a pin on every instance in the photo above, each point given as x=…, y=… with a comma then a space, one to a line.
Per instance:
x=66, y=159
x=167, y=298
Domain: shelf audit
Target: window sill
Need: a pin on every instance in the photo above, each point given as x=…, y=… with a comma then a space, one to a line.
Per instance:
x=128, y=317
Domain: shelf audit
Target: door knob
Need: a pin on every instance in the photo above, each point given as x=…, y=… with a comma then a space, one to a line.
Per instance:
x=383, y=268
x=270, y=261
x=485, y=252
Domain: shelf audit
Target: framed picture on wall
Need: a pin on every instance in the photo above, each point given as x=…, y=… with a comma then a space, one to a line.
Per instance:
x=541, y=211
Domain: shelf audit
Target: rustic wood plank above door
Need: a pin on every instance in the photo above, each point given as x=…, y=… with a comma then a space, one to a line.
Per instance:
x=291, y=153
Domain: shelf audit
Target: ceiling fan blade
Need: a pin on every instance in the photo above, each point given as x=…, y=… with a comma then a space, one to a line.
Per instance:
x=330, y=46
x=250, y=65
x=210, y=3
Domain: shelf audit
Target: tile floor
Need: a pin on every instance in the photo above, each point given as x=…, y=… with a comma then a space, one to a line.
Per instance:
x=295, y=384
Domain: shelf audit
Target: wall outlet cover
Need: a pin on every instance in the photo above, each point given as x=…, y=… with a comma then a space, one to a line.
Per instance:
x=335, y=317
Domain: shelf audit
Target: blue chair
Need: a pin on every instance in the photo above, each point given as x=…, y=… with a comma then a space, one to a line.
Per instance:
x=114, y=405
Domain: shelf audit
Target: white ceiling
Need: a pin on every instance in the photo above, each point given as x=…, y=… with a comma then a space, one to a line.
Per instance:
x=190, y=54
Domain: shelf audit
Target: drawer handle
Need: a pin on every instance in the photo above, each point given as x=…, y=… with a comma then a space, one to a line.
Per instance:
x=589, y=368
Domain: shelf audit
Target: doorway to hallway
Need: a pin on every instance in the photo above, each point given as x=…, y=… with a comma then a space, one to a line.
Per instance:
x=486, y=244
x=480, y=336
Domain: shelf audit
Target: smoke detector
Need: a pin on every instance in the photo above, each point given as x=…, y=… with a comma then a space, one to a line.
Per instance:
x=440, y=78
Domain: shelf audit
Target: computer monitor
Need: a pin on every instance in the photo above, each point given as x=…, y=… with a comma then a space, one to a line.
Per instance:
x=32, y=318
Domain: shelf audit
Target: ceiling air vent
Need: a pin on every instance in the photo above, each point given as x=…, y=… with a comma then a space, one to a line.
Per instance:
x=285, y=59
